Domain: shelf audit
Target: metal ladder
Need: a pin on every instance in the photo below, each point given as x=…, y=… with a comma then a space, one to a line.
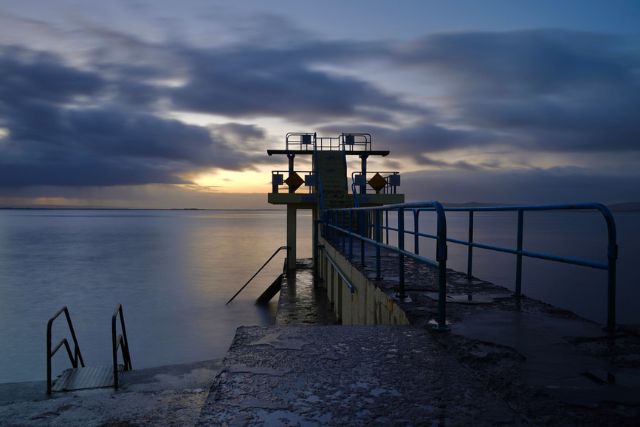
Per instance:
x=80, y=376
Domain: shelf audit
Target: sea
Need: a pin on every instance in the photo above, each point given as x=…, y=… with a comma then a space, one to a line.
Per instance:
x=173, y=271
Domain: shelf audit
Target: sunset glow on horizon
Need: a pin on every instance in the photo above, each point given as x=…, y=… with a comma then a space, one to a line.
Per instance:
x=155, y=104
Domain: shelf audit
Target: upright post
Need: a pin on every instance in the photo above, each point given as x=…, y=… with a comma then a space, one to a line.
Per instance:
x=611, y=292
x=386, y=216
x=363, y=185
x=291, y=169
x=342, y=224
x=441, y=257
x=401, y=254
x=519, y=257
x=316, y=223
x=470, y=248
x=378, y=226
x=350, y=234
x=416, y=243
x=291, y=237
x=362, y=232
x=612, y=255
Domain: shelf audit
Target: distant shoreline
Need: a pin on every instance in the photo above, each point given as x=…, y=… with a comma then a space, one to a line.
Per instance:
x=81, y=208
x=615, y=207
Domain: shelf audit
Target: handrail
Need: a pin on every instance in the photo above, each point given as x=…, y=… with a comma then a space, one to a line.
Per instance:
x=276, y=186
x=256, y=273
x=332, y=221
x=388, y=187
x=335, y=218
x=356, y=195
x=74, y=357
x=346, y=281
x=519, y=251
x=119, y=341
x=302, y=141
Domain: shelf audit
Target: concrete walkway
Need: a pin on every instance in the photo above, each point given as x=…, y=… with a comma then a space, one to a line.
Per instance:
x=537, y=365
x=347, y=375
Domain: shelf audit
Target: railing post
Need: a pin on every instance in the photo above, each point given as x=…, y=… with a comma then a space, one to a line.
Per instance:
x=612, y=256
x=124, y=336
x=519, y=257
x=343, y=234
x=378, y=239
x=114, y=349
x=470, y=248
x=362, y=233
x=441, y=257
x=416, y=244
x=611, y=292
x=386, y=216
x=350, y=235
x=401, y=254
x=49, y=385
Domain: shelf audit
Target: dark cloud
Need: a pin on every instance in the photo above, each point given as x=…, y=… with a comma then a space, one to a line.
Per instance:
x=556, y=185
x=27, y=76
x=103, y=119
x=245, y=81
x=62, y=131
x=543, y=90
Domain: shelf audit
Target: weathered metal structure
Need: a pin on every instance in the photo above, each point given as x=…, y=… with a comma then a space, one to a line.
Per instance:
x=326, y=185
x=354, y=230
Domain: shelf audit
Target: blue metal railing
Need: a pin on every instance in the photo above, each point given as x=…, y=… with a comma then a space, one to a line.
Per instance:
x=339, y=228
x=391, y=182
x=519, y=251
x=306, y=141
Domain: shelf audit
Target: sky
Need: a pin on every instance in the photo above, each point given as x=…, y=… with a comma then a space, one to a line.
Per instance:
x=165, y=104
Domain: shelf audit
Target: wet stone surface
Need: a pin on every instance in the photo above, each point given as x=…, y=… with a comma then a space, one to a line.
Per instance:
x=302, y=303
x=347, y=375
x=167, y=395
x=549, y=364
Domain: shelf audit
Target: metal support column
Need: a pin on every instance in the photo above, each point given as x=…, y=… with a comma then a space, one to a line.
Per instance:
x=291, y=237
x=363, y=186
x=291, y=170
x=519, y=257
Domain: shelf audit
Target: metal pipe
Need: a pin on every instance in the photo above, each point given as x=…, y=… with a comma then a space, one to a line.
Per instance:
x=256, y=273
x=350, y=235
x=519, y=257
x=470, y=249
x=386, y=215
x=378, y=240
x=416, y=235
x=401, y=254
x=361, y=231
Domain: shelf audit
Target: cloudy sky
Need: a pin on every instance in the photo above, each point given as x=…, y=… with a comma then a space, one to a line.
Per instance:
x=173, y=104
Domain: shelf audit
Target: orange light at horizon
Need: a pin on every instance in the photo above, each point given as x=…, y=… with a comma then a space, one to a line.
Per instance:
x=226, y=181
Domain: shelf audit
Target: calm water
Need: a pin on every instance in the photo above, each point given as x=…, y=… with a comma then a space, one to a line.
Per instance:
x=174, y=270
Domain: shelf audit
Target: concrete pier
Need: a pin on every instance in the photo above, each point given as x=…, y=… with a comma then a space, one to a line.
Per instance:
x=498, y=365
x=347, y=375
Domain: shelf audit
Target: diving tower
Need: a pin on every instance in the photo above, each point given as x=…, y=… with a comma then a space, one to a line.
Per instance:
x=329, y=184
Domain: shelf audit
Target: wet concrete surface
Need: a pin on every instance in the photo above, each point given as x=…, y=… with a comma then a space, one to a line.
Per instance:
x=547, y=362
x=347, y=375
x=167, y=395
x=300, y=302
